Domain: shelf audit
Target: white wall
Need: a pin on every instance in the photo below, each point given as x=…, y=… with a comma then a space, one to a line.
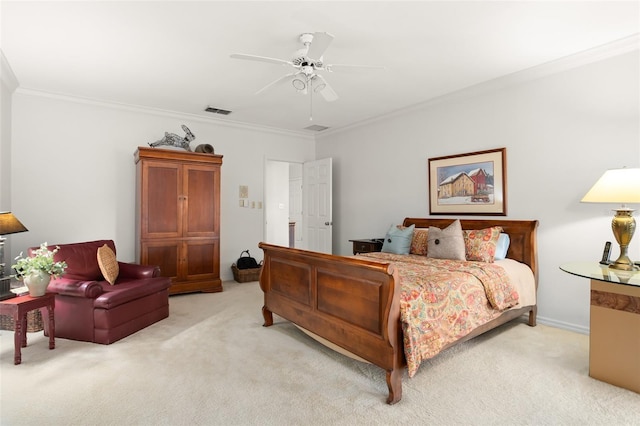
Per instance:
x=8, y=84
x=561, y=133
x=73, y=171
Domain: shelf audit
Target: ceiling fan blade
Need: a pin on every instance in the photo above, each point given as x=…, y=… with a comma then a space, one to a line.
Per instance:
x=348, y=67
x=319, y=45
x=322, y=87
x=275, y=82
x=261, y=59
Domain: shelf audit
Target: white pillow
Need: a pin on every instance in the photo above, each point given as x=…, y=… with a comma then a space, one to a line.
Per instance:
x=502, y=246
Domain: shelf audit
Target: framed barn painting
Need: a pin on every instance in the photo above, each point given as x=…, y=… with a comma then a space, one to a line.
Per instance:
x=469, y=184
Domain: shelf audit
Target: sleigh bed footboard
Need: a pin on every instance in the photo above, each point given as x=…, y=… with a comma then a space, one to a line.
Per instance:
x=352, y=303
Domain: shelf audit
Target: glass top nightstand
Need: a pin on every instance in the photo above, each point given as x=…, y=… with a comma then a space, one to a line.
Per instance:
x=614, y=323
x=597, y=271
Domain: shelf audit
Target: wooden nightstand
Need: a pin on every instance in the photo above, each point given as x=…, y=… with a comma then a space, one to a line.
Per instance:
x=367, y=245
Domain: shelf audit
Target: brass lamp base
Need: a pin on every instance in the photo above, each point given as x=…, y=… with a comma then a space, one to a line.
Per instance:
x=623, y=226
x=624, y=266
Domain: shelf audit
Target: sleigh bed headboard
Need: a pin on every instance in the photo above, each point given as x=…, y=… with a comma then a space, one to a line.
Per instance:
x=522, y=233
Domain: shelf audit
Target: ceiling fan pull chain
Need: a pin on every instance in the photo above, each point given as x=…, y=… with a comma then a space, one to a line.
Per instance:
x=310, y=99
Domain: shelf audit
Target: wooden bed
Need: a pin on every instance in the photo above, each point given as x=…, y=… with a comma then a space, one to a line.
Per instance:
x=354, y=303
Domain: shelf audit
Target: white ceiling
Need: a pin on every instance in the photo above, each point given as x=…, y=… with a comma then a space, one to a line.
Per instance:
x=174, y=56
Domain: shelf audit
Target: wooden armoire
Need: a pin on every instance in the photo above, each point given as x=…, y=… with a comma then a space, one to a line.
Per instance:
x=178, y=216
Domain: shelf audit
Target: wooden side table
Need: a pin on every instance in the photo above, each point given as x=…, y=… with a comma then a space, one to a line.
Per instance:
x=614, y=335
x=18, y=308
x=367, y=245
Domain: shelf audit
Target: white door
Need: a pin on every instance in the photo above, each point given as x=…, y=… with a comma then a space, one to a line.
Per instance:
x=316, y=209
x=295, y=207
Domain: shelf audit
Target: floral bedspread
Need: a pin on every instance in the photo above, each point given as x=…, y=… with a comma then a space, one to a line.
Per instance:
x=444, y=300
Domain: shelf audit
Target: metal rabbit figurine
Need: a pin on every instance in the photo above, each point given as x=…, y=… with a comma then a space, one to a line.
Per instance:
x=171, y=139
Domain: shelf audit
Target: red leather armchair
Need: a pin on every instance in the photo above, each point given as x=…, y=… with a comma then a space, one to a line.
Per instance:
x=90, y=309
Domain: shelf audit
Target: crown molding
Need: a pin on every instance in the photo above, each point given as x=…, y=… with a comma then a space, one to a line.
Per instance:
x=161, y=112
x=7, y=76
x=595, y=54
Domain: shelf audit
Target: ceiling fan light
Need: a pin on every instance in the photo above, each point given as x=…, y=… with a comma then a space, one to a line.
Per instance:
x=299, y=84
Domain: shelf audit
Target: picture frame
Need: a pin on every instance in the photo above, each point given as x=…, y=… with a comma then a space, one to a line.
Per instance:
x=474, y=183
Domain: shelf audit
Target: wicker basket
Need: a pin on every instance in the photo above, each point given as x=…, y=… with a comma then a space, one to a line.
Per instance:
x=245, y=275
x=34, y=321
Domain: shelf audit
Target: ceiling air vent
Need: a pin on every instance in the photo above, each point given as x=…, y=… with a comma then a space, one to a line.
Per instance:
x=217, y=110
x=316, y=128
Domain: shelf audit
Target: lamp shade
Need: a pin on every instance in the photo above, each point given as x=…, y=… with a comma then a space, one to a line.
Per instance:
x=616, y=186
x=9, y=224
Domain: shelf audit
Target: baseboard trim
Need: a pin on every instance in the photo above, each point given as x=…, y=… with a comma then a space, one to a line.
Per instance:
x=563, y=325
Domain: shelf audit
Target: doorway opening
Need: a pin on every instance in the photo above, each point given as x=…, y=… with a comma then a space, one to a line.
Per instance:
x=298, y=204
x=283, y=203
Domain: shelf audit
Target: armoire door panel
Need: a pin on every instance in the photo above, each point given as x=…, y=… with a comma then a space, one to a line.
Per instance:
x=166, y=255
x=162, y=207
x=201, y=202
x=202, y=256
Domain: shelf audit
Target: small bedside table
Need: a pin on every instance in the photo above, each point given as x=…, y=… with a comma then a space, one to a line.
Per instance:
x=614, y=335
x=367, y=245
x=18, y=307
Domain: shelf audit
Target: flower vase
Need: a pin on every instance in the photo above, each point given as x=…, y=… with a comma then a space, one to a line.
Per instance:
x=37, y=283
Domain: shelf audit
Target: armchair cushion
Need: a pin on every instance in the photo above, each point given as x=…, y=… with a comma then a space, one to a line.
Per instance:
x=129, y=291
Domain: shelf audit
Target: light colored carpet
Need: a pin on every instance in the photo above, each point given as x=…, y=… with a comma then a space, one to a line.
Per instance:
x=212, y=362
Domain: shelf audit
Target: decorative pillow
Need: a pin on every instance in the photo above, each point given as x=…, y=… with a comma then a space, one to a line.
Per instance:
x=108, y=264
x=447, y=243
x=503, y=246
x=398, y=239
x=480, y=244
x=419, y=242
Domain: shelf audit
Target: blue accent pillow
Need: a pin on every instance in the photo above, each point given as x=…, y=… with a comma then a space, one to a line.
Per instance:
x=502, y=246
x=398, y=240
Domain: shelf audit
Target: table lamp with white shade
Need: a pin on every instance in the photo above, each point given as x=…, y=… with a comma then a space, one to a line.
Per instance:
x=619, y=186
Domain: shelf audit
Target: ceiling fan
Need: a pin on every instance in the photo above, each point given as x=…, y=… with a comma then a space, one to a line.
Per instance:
x=306, y=62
